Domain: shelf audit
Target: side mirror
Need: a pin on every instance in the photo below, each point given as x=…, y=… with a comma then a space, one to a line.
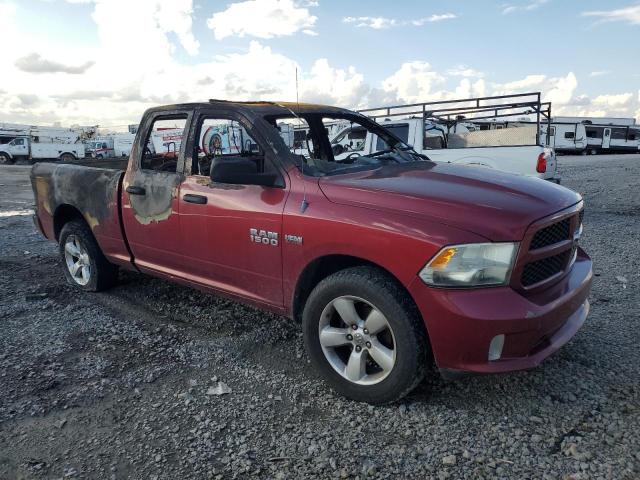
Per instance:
x=240, y=171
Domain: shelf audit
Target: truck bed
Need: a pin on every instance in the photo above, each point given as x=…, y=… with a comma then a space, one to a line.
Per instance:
x=76, y=189
x=119, y=163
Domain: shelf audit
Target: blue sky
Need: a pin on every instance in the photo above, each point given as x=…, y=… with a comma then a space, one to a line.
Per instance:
x=583, y=53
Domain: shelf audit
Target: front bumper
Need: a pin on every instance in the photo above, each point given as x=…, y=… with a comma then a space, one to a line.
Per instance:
x=462, y=323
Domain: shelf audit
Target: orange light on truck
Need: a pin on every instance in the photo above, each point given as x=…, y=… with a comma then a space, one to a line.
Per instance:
x=443, y=258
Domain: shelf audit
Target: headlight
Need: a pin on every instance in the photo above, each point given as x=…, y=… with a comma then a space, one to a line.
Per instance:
x=472, y=265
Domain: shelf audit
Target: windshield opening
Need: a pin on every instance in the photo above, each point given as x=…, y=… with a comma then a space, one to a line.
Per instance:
x=331, y=144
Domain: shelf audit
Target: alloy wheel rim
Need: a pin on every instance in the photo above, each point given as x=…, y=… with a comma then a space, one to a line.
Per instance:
x=357, y=340
x=77, y=260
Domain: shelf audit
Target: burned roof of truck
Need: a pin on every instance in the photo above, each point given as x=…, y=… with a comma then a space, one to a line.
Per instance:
x=259, y=107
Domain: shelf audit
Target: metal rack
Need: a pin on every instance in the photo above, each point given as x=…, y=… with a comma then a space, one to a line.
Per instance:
x=450, y=112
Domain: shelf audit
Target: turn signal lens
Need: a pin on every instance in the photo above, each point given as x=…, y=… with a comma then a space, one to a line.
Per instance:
x=442, y=259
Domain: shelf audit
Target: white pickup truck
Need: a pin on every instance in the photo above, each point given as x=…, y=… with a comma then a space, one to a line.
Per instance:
x=511, y=150
x=459, y=131
x=25, y=148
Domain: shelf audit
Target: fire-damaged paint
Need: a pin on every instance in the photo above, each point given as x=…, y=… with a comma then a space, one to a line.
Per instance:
x=270, y=246
x=161, y=188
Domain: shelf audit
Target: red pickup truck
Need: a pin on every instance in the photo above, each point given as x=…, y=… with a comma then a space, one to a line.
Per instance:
x=388, y=260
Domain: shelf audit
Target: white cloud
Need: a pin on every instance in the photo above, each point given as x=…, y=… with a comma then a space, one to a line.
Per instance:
x=531, y=5
x=560, y=90
x=527, y=83
x=326, y=84
x=629, y=14
x=262, y=19
x=438, y=18
x=464, y=71
x=413, y=82
x=599, y=73
x=378, y=23
x=614, y=101
x=34, y=63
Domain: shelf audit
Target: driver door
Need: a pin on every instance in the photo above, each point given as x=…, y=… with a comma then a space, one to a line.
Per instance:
x=232, y=233
x=20, y=147
x=150, y=194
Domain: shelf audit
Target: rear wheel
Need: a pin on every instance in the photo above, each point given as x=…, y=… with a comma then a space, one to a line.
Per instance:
x=67, y=157
x=6, y=159
x=365, y=336
x=85, y=265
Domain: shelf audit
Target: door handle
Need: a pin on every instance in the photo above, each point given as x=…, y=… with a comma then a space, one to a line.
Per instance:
x=199, y=199
x=136, y=190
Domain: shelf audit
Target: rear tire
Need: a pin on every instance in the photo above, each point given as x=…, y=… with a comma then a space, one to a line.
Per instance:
x=85, y=266
x=394, y=346
x=67, y=157
x=6, y=159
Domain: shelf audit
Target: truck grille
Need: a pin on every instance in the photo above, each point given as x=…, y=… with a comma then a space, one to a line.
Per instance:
x=540, y=270
x=552, y=234
x=560, y=259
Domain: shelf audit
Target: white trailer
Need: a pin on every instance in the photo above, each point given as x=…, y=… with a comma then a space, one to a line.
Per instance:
x=601, y=134
x=566, y=137
x=612, y=139
x=620, y=121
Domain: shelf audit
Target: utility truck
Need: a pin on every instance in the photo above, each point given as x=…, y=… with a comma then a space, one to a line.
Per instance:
x=389, y=260
x=110, y=146
x=24, y=148
x=445, y=131
x=26, y=142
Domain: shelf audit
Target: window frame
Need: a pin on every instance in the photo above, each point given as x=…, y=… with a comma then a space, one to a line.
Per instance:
x=221, y=114
x=392, y=128
x=168, y=115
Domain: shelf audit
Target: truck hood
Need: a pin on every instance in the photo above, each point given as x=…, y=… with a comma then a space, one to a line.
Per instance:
x=496, y=205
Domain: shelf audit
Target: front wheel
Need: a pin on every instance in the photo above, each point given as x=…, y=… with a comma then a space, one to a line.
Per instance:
x=6, y=159
x=364, y=335
x=85, y=266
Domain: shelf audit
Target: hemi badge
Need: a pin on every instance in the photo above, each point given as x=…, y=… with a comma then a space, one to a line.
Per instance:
x=293, y=239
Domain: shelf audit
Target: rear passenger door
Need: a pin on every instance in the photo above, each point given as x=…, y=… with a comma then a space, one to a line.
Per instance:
x=232, y=234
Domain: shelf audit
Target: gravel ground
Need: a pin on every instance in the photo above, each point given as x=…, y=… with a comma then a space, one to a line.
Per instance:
x=130, y=383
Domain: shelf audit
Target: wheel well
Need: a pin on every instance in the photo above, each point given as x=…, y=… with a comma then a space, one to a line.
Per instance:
x=321, y=268
x=64, y=214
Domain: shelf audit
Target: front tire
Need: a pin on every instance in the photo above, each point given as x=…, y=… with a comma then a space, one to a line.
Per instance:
x=365, y=336
x=85, y=266
x=6, y=159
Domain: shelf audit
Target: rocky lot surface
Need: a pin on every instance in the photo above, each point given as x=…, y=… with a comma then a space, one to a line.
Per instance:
x=153, y=380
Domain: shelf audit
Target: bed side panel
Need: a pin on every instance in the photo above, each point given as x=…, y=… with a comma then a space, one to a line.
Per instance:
x=94, y=192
